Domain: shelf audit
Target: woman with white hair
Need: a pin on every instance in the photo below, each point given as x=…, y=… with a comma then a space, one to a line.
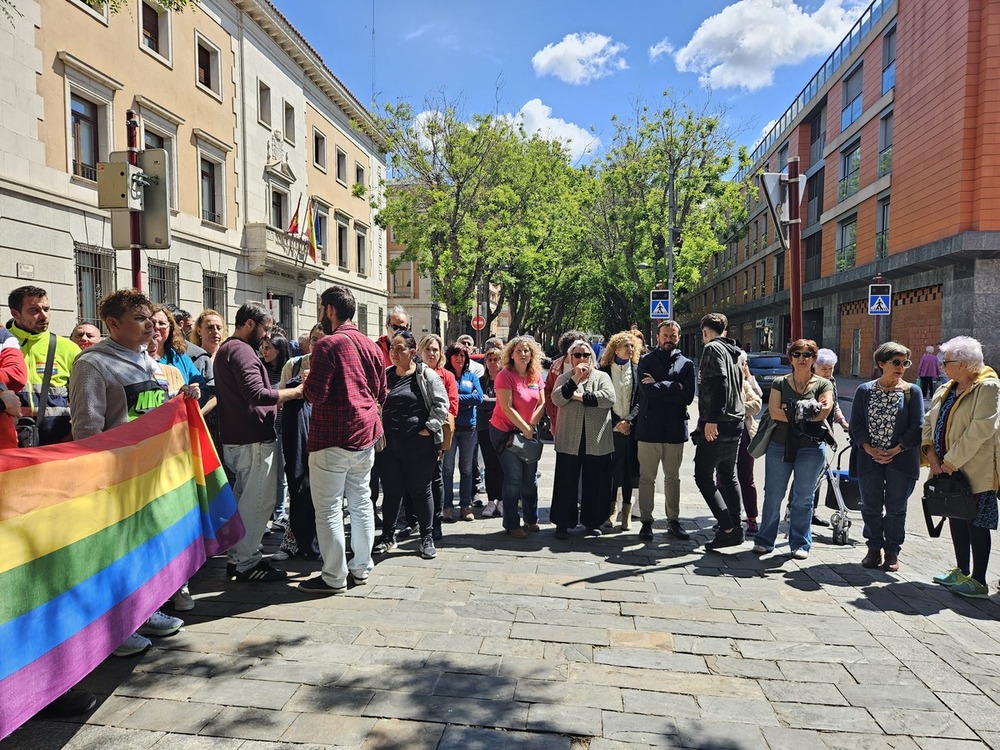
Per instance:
x=886, y=420
x=826, y=360
x=584, y=444
x=961, y=434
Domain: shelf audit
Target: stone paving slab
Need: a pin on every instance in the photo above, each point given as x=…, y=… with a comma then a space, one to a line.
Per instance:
x=584, y=644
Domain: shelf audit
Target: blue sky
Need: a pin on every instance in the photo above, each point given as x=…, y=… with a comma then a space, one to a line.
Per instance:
x=564, y=68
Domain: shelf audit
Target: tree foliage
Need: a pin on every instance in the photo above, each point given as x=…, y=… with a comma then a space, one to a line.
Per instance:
x=474, y=201
x=630, y=222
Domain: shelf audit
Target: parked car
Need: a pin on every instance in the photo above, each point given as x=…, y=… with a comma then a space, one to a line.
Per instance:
x=766, y=366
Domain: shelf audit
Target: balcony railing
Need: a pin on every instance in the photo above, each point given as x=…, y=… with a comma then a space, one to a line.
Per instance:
x=816, y=150
x=885, y=161
x=846, y=256
x=272, y=250
x=881, y=244
x=85, y=171
x=212, y=216
x=847, y=186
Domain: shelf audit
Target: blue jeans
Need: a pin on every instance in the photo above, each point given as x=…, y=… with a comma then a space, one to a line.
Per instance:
x=464, y=444
x=806, y=469
x=518, y=484
x=883, y=489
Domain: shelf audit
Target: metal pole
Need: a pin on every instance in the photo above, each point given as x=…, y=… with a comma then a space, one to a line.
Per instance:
x=877, y=333
x=132, y=131
x=794, y=248
x=671, y=219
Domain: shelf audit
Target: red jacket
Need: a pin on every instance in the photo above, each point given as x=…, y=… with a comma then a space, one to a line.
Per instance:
x=14, y=375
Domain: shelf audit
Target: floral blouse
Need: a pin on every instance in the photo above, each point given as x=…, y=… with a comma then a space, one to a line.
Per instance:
x=883, y=409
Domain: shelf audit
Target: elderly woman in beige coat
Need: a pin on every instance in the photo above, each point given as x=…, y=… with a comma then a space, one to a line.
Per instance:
x=584, y=444
x=962, y=434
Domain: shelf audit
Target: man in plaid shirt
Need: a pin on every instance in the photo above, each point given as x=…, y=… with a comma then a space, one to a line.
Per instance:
x=345, y=385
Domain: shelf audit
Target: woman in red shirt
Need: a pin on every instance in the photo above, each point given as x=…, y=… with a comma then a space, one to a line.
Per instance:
x=431, y=350
x=520, y=406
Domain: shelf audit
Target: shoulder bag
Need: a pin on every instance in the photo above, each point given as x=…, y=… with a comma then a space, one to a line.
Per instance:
x=28, y=427
x=529, y=451
x=948, y=496
x=759, y=443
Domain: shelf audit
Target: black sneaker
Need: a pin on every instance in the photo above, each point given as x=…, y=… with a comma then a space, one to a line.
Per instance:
x=383, y=545
x=71, y=703
x=262, y=572
x=817, y=521
x=646, y=531
x=731, y=538
x=230, y=570
x=674, y=527
x=320, y=587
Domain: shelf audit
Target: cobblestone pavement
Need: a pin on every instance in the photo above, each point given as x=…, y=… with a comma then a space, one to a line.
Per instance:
x=602, y=643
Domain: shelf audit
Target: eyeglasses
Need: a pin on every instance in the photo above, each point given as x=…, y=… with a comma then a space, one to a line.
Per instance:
x=397, y=329
x=899, y=362
x=581, y=355
x=950, y=362
x=803, y=355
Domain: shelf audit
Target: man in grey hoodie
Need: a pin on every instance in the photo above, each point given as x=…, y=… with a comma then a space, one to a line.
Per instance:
x=115, y=383
x=720, y=421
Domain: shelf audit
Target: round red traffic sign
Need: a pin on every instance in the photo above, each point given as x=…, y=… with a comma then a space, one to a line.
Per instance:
x=478, y=323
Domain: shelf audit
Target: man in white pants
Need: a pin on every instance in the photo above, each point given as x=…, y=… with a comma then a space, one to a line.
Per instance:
x=345, y=385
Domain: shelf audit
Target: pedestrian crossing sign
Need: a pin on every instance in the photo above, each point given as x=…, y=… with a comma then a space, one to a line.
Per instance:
x=879, y=299
x=659, y=304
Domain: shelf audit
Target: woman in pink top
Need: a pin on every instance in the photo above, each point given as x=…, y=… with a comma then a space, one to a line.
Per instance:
x=520, y=406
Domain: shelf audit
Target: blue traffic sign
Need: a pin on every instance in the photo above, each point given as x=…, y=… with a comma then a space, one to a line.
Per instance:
x=659, y=304
x=879, y=299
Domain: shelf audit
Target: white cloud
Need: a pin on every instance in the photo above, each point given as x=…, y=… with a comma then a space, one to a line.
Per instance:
x=580, y=58
x=743, y=45
x=764, y=131
x=418, y=32
x=661, y=48
x=536, y=117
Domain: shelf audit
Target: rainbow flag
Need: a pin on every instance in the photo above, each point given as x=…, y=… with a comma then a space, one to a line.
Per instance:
x=96, y=536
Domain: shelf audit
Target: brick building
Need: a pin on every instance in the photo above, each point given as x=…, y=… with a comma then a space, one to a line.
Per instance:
x=902, y=115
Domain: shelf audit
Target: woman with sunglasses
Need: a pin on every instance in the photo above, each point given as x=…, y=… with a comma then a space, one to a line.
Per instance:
x=886, y=421
x=416, y=407
x=795, y=449
x=584, y=444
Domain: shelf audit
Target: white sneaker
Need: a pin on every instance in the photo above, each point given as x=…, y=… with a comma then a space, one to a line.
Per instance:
x=134, y=644
x=800, y=554
x=161, y=624
x=183, y=601
x=490, y=510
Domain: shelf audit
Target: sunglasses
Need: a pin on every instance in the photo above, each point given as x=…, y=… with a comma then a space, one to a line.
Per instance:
x=899, y=362
x=801, y=355
x=581, y=355
x=397, y=329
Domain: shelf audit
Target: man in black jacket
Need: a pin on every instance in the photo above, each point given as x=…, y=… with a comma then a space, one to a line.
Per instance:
x=666, y=388
x=720, y=421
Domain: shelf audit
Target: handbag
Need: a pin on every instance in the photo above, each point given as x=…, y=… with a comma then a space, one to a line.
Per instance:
x=380, y=443
x=529, y=451
x=447, y=432
x=948, y=496
x=27, y=428
x=759, y=442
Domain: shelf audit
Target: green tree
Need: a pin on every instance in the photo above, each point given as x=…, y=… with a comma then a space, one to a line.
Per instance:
x=665, y=163
x=471, y=200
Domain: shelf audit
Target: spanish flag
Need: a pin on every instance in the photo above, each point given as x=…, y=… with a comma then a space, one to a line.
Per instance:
x=293, y=226
x=96, y=535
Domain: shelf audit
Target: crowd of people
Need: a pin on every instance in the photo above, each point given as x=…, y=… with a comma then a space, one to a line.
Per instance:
x=312, y=429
